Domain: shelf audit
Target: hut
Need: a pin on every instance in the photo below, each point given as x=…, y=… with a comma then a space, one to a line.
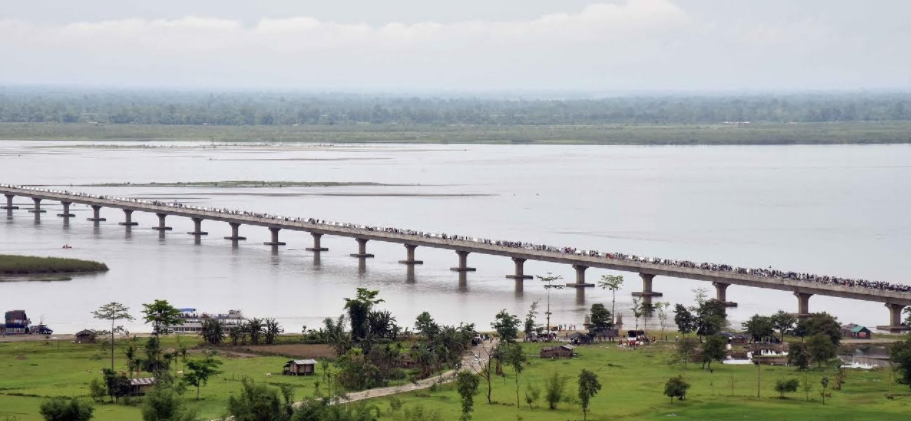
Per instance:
x=141, y=386
x=562, y=351
x=857, y=332
x=300, y=368
x=86, y=336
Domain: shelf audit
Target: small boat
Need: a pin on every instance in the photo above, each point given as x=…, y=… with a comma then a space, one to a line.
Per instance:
x=67, y=246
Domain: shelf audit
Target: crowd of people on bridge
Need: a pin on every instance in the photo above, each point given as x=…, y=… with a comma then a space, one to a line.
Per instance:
x=712, y=267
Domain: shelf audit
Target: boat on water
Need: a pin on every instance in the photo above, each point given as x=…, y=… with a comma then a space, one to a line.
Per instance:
x=193, y=320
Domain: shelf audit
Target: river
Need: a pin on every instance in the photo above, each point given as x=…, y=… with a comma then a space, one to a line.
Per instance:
x=840, y=210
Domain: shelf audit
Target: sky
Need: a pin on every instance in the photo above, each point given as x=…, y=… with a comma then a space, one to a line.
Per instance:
x=465, y=45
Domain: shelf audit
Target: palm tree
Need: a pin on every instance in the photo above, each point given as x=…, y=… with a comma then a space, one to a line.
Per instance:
x=255, y=330
x=613, y=283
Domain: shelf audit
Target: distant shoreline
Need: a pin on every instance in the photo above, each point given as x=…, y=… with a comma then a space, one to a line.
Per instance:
x=871, y=132
x=13, y=265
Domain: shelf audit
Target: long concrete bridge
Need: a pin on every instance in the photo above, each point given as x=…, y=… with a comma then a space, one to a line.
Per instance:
x=895, y=301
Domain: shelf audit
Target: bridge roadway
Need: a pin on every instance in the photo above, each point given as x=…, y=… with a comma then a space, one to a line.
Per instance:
x=895, y=301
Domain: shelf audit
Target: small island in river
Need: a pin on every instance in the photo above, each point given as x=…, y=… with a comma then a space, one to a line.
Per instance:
x=33, y=265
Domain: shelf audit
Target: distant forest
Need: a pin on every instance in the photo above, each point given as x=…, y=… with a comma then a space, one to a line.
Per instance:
x=59, y=105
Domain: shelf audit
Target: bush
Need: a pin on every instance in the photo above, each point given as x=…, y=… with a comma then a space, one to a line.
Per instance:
x=163, y=403
x=66, y=409
x=786, y=386
x=676, y=387
x=97, y=390
x=554, y=388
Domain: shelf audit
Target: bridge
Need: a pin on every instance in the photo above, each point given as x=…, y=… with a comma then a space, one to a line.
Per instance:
x=895, y=301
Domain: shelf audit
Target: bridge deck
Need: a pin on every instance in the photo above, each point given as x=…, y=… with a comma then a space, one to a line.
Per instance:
x=857, y=293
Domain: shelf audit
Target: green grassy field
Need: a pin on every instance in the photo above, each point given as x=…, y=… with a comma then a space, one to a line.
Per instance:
x=633, y=383
x=25, y=265
x=708, y=134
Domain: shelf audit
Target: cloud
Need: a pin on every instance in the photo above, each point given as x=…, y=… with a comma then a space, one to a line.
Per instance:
x=627, y=44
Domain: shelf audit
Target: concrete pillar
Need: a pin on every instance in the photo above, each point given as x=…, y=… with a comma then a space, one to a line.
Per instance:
x=316, y=243
x=580, y=278
x=66, y=210
x=409, y=260
x=463, y=262
x=161, y=223
x=37, y=208
x=647, y=294
x=235, y=232
x=128, y=218
x=274, y=242
x=520, y=270
x=803, y=303
x=895, y=319
x=197, y=228
x=96, y=212
x=361, y=249
x=721, y=295
x=9, y=202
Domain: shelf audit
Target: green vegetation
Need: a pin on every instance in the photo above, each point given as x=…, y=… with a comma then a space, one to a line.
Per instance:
x=862, y=132
x=29, y=265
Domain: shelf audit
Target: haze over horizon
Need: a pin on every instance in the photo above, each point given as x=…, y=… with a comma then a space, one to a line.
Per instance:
x=411, y=46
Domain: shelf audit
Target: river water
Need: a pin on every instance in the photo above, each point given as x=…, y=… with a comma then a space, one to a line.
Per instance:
x=840, y=210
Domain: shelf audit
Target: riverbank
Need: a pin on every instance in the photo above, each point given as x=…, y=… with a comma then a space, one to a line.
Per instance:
x=33, y=265
x=868, y=132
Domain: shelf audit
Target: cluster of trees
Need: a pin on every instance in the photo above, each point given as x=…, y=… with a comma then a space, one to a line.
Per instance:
x=32, y=104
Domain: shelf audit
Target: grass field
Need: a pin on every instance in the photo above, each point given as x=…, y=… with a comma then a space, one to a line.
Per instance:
x=708, y=134
x=632, y=380
x=27, y=265
x=633, y=383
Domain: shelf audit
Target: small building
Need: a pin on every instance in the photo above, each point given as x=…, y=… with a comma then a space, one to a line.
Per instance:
x=856, y=332
x=581, y=338
x=86, y=336
x=300, y=368
x=562, y=351
x=16, y=323
x=141, y=386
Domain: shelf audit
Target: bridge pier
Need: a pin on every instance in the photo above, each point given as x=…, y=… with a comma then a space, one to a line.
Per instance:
x=161, y=223
x=361, y=248
x=895, y=319
x=274, y=242
x=721, y=294
x=37, y=208
x=9, y=202
x=235, y=232
x=803, y=304
x=316, y=243
x=463, y=262
x=580, y=279
x=96, y=212
x=409, y=260
x=520, y=270
x=647, y=294
x=197, y=228
x=128, y=218
x=66, y=210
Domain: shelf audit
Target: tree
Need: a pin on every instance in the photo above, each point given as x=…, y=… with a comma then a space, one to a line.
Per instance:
x=900, y=354
x=714, y=349
x=467, y=385
x=637, y=310
x=532, y=394
x=113, y=311
x=759, y=327
x=514, y=358
x=66, y=409
x=662, y=307
x=134, y=361
x=358, y=310
x=676, y=387
x=549, y=285
x=799, y=355
x=821, y=348
x=825, y=385
x=425, y=325
x=507, y=326
x=613, y=283
x=200, y=371
x=783, y=322
x=711, y=317
x=117, y=385
x=589, y=386
x=783, y=386
x=272, y=329
x=820, y=323
x=648, y=310
x=600, y=317
x=164, y=403
x=685, y=349
x=530, y=318
x=684, y=319
x=554, y=387
x=257, y=402
x=161, y=315
x=807, y=387
x=254, y=328
x=213, y=332
x=97, y=390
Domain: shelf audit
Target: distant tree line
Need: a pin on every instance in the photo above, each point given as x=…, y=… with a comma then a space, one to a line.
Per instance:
x=109, y=106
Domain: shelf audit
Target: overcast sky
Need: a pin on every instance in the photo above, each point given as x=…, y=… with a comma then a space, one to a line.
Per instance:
x=464, y=45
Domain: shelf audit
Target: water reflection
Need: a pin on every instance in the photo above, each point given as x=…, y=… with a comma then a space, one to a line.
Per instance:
x=520, y=288
x=463, y=282
x=409, y=274
x=361, y=266
x=316, y=261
